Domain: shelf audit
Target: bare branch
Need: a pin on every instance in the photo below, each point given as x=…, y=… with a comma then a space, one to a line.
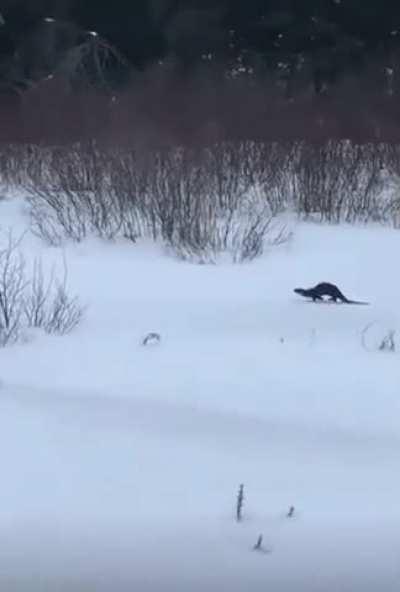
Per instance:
x=12, y=286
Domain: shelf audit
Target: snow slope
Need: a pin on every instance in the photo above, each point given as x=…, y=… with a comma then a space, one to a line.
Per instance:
x=121, y=463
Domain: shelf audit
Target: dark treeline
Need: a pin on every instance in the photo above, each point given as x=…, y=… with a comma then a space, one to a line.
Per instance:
x=203, y=69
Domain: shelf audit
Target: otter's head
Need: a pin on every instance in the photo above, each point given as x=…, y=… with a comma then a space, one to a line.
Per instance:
x=300, y=291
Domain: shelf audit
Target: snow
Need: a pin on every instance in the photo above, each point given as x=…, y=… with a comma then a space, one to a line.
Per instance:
x=121, y=463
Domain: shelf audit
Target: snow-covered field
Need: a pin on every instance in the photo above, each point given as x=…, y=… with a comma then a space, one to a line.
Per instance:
x=120, y=464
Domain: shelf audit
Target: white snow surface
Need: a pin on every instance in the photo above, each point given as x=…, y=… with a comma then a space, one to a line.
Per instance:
x=120, y=464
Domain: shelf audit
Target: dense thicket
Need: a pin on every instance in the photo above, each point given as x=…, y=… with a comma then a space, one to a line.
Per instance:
x=230, y=67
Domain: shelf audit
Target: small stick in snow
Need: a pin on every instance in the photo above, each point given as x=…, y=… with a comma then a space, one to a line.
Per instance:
x=259, y=546
x=291, y=512
x=239, y=503
x=151, y=339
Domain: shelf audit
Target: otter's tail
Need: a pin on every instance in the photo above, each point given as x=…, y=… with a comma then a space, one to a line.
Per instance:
x=355, y=302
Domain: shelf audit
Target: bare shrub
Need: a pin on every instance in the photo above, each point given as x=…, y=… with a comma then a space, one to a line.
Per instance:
x=130, y=176
x=72, y=198
x=56, y=216
x=271, y=172
x=228, y=166
x=12, y=287
x=32, y=302
x=64, y=312
x=48, y=305
x=201, y=202
x=205, y=205
x=16, y=162
x=247, y=230
x=390, y=163
x=177, y=190
x=35, y=302
x=339, y=182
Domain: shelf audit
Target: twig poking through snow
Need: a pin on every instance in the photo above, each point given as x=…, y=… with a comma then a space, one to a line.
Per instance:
x=385, y=343
x=239, y=503
x=388, y=343
x=151, y=339
x=290, y=514
x=259, y=545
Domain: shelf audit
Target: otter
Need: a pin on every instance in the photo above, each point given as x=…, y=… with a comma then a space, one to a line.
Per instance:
x=326, y=289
